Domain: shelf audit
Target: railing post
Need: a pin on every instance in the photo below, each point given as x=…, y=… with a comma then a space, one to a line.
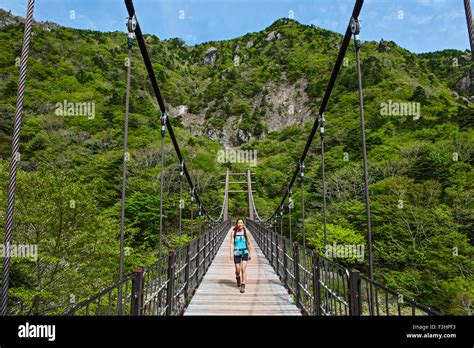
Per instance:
x=204, y=265
x=265, y=240
x=186, y=273
x=170, y=285
x=197, y=259
x=285, y=264
x=208, y=243
x=137, y=292
x=271, y=250
x=277, y=255
x=209, y=248
x=203, y=253
x=354, y=293
x=260, y=236
x=316, y=285
x=296, y=264
x=267, y=237
x=213, y=241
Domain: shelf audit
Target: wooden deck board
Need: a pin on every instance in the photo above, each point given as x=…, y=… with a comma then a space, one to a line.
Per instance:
x=218, y=293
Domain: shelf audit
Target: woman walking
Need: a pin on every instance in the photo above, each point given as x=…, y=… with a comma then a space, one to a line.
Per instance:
x=240, y=251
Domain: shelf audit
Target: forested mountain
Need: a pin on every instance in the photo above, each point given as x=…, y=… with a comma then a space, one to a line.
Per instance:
x=257, y=92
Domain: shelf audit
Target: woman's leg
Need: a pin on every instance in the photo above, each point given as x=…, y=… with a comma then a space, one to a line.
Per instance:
x=237, y=270
x=244, y=273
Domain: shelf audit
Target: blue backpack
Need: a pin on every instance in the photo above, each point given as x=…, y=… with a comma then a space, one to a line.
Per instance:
x=246, y=240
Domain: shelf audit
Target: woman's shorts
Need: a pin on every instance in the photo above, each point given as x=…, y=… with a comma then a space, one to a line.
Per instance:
x=238, y=258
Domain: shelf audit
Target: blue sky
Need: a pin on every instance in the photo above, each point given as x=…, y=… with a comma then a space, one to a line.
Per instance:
x=417, y=25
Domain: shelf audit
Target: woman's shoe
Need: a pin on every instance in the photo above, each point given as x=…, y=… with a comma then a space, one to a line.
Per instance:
x=238, y=281
x=242, y=288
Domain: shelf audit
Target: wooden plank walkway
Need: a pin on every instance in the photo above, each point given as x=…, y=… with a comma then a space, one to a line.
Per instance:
x=218, y=293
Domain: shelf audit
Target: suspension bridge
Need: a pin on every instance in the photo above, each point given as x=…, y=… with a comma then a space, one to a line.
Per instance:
x=284, y=276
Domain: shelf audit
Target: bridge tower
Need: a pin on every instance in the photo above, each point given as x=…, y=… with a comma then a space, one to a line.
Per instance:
x=239, y=180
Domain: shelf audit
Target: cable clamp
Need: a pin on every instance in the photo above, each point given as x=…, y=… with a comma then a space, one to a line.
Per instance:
x=131, y=26
x=355, y=26
x=164, y=119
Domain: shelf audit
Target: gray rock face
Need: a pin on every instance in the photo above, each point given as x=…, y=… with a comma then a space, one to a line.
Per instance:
x=243, y=137
x=210, y=56
x=273, y=36
x=210, y=133
x=48, y=26
x=6, y=18
x=249, y=44
x=463, y=84
x=236, y=60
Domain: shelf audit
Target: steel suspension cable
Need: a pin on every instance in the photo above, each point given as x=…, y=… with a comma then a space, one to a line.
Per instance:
x=255, y=210
x=302, y=204
x=15, y=155
x=323, y=180
x=321, y=132
x=221, y=214
x=254, y=207
x=191, y=208
x=290, y=203
x=226, y=194
x=181, y=202
x=159, y=98
x=199, y=221
x=467, y=8
x=163, y=133
x=125, y=158
x=355, y=26
x=335, y=72
x=364, y=146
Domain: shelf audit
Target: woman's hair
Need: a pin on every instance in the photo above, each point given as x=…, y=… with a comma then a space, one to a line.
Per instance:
x=237, y=221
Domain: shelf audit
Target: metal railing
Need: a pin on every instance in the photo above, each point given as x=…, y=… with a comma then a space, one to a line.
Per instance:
x=320, y=286
x=163, y=288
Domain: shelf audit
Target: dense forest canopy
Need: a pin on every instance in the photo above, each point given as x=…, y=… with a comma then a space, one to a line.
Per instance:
x=257, y=92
